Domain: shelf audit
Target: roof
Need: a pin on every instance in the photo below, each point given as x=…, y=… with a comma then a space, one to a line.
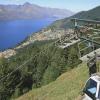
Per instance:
x=96, y=77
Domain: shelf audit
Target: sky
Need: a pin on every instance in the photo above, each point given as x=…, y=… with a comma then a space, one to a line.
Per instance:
x=73, y=5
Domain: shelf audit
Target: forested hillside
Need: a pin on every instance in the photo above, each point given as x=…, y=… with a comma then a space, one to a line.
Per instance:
x=46, y=64
x=93, y=14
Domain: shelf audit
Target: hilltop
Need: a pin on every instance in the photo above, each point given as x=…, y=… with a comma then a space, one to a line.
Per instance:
x=66, y=87
x=31, y=11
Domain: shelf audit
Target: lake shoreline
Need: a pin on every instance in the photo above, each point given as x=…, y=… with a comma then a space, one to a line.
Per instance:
x=43, y=35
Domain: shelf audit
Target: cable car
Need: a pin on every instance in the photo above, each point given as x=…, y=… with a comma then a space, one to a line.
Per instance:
x=92, y=88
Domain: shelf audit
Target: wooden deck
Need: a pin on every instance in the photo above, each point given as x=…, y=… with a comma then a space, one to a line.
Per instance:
x=91, y=54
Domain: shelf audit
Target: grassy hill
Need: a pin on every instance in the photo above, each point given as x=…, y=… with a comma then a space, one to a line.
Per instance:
x=67, y=87
x=90, y=14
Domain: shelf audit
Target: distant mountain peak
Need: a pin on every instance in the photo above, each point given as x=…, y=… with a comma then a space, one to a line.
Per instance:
x=27, y=3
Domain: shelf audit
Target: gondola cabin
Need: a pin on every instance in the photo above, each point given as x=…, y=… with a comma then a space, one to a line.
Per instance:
x=92, y=88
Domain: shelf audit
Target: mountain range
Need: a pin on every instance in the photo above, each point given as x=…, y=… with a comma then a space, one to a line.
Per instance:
x=31, y=11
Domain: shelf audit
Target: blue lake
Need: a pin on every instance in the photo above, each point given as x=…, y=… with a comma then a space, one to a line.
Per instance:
x=14, y=32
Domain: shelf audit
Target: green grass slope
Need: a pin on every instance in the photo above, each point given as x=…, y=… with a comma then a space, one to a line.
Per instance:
x=67, y=87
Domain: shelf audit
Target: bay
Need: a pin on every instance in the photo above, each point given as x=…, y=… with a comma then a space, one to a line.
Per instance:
x=14, y=32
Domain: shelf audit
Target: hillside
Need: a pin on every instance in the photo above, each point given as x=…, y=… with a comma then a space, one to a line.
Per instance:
x=63, y=26
x=31, y=11
x=90, y=14
x=67, y=87
x=34, y=66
